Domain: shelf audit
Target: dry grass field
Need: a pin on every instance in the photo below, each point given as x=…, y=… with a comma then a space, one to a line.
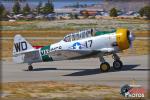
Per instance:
x=142, y=33
x=57, y=91
x=7, y=23
x=63, y=27
x=38, y=33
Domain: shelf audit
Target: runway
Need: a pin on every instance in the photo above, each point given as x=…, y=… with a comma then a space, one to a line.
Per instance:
x=84, y=71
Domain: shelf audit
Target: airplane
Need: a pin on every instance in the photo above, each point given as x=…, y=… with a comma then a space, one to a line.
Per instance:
x=79, y=45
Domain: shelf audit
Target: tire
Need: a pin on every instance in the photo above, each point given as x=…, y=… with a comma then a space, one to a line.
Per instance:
x=117, y=65
x=104, y=67
x=30, y=68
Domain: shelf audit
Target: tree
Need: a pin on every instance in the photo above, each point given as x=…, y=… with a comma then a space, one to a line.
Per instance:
x=2, y=10
x=75, y=16
x=145, y=11
x=16, y=8
x=5, y=13
x=141, y=12
x=113, y=12
x=26, y=9
x=39, y=7
x=48, y=8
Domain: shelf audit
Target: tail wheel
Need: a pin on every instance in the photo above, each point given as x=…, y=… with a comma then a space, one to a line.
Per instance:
x=117, y=65
x=104, y=67
x=30, y=68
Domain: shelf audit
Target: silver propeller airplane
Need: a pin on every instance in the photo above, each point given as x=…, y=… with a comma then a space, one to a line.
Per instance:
x=79, y=45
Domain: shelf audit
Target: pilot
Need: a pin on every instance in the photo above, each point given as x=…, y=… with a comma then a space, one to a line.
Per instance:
x=67, y=39
x=91, y=31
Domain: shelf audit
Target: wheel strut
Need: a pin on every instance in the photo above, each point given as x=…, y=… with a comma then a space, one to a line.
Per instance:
x=117, y=64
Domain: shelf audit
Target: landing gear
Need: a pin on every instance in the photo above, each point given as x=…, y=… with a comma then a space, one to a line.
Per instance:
x=104, y=66
x=117, y=64
x=30, y=68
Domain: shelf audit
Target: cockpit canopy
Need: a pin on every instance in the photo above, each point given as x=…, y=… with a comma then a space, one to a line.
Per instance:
x=79, y=35
x=85, y=34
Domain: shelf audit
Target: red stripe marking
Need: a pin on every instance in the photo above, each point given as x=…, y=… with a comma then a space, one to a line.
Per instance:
x=37, y=47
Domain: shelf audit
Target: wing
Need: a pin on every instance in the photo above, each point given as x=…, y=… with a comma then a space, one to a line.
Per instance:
x=72, y=54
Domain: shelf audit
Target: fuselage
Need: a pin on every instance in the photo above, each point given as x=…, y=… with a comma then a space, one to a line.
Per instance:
x=89, y=44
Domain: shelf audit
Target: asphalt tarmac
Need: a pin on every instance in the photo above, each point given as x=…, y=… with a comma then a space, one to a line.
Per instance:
x=86, y=71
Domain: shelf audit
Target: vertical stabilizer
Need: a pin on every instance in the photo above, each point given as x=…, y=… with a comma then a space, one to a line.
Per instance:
x=20, y=48
x=21, y=45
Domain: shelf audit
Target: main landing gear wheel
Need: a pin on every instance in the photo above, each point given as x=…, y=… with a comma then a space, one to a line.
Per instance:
x=30, y=68
x=117, y=65
x=104, y=67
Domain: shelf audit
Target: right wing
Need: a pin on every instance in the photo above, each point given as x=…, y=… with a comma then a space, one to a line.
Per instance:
x=78, y=54
x=71, y=54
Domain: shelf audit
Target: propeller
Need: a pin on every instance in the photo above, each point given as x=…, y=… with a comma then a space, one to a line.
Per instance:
x=131, y=38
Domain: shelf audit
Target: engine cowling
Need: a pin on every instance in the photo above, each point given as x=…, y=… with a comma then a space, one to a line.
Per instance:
x=124, y=38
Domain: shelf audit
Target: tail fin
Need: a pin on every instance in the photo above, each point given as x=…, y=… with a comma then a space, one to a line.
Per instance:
x=21, y=45
x=20, y=48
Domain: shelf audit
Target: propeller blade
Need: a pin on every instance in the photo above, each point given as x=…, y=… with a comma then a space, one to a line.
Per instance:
x=131, y=38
